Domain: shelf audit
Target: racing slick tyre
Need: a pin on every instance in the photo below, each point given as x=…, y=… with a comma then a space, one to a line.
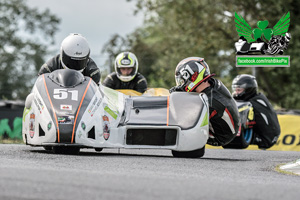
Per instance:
x=242, y=141
x=47, y=148
x=66, y=150
x=98, y=149
x=198, y=153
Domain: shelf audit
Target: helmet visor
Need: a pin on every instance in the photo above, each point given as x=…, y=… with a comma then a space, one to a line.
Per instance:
x=74, y=62
x=238, y=87
x=238, y=91
x=179, y=80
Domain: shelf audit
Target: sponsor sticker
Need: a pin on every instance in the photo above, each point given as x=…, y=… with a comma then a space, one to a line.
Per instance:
x=65, y=119
x=37, y=105
x=83, y=126
x=31, y=125
x=66, y=107
x=79, y=133
x=125, y=62
x=106, y=127
x=95, y=108
x=49, y=126
x=40, y=103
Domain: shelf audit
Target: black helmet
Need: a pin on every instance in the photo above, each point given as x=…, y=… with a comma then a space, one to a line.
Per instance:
x=190, y=72
x=246, y=82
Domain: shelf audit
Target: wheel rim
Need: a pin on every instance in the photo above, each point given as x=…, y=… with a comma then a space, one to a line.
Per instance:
x=248, y=135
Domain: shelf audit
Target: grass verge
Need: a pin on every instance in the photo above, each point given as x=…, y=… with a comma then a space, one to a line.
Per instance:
x=10, y=141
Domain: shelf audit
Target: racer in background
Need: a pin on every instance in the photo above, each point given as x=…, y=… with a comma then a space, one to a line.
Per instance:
x=193, y=75
x=74, y=54
x=126, y=74
x=266, y=128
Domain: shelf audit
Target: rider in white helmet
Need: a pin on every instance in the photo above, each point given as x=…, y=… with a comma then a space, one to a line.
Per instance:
x=74, y=54
x=126, y=74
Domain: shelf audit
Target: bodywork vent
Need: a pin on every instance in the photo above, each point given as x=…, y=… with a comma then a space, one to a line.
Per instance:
x=91, y=133
x=152, y=137
x=41, y=131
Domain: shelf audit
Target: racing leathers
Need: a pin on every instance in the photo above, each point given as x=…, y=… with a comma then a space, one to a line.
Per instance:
x=54, y=63
x=138, y=83
x=267, y=128
x=223, y=113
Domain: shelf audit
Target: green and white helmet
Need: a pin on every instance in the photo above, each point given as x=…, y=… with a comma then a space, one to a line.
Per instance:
x=126, y=60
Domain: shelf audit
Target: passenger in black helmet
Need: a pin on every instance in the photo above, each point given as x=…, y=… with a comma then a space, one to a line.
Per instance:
x=266, y=128
x=74, y=54
x=193, y=75
x=126, y=74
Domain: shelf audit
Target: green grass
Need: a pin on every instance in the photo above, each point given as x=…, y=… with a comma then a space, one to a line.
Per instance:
x=10, y=141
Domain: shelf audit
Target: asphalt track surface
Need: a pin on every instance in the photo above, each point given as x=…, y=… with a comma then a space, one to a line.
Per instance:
x=32, y=173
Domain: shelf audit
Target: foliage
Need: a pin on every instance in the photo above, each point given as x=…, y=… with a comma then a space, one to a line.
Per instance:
x=175, y=29
x=22, y=50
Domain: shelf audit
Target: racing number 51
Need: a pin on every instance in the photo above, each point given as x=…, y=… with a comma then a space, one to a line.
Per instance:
x=64, y=93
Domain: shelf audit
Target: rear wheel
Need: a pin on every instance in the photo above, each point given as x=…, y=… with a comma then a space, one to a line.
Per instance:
x=242, y=141
x=198, y=153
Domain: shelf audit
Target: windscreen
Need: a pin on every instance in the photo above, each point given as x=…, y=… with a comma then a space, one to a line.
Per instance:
x=66, y=77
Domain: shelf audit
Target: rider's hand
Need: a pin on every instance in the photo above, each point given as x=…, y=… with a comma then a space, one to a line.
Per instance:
x=175, y=89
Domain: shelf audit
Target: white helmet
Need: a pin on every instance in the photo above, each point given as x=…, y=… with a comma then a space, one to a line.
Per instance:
x=74, y=52
x=126, y=60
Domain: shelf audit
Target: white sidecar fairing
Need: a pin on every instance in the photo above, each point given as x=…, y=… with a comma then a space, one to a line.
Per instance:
x=67, y=109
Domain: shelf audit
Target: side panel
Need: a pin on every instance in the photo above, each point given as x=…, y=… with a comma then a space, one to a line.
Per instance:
x=38, y=124
x=148, y=111
x=196, y=137
x=98, y=126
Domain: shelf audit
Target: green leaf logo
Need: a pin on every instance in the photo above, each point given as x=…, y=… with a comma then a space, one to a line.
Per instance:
x=262, y=32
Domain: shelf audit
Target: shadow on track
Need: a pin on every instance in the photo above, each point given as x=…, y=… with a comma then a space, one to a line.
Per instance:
x=122, y=154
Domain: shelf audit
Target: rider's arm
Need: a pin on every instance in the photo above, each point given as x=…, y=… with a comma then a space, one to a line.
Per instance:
x=141, y=85
x=109, y=82
x=50, y=66
x=92, y=71
x=44, y=69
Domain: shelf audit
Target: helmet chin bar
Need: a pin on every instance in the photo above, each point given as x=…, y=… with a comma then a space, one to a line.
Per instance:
x=125, y=78
x=196, y=85
x=65, y=67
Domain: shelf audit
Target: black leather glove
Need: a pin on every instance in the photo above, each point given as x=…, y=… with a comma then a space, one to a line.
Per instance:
x=176, y=89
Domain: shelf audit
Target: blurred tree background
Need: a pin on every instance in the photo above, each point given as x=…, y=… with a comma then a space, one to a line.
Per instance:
x=25, y=35
x=172, y=31
x=176, y=29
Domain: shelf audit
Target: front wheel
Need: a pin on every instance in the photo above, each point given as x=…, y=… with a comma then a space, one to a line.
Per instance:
x=47, y=148
x=98, y=149
x=198, y=153
x=65, y=150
